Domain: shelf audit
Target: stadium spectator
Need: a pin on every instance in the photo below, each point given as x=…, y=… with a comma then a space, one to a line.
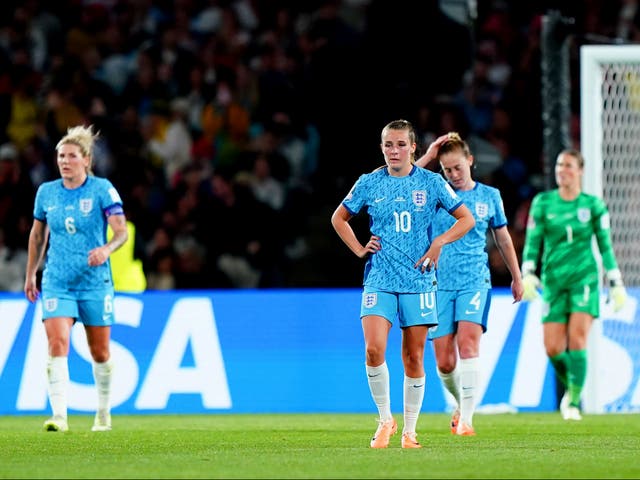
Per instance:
x=127, y=263
x=24, y=108
x=16, y=195
x=249, y=254
x=171, y=141
x=144, y=88
x=162, y=265
x=561, y=226
x=12, y=266
x=70, y=215
x=264, y=186
x=399, y=281
x=172, y=58
x=464, y=279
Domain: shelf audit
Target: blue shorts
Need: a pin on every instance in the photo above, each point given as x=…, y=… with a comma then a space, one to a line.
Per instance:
x=409, y=308
x=93, y=308
x=455, y=305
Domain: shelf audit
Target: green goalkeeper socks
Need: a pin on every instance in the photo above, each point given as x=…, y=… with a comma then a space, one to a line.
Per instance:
x=560, y=364
x=577, y=374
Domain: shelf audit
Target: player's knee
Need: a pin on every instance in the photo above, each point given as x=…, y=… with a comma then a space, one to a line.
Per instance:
x=374, y=354
x=100, y=354
x=413, y=360
x=554, y=346
x=58, y=346
x=553, y=350
x=468, y=351
x=446, y=365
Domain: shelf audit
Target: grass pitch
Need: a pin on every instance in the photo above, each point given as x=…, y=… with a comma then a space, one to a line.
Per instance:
x=524, y=445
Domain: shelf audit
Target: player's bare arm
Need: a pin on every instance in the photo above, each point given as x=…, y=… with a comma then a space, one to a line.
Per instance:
x=37, y=242
x=340, y=221
x=99, y=255
x=464, y=223
x=504, y=243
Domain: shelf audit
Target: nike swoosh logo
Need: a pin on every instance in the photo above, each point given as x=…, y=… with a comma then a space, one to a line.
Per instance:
x=418, y=386
x=378, y=200
x=372, y=376
x=470, y=312
x=425, y=314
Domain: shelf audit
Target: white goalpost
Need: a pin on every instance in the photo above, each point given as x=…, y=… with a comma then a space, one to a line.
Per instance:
x=610, y=143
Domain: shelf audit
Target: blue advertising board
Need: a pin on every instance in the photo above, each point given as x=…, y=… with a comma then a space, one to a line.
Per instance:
x=271, y=351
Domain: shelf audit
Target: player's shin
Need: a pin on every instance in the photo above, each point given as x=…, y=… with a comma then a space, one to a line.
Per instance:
x=102, y=373
x=414, y=389
x=58, y=385
x=468, y=385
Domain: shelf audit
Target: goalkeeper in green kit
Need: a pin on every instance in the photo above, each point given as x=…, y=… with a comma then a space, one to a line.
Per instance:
x=561, y=226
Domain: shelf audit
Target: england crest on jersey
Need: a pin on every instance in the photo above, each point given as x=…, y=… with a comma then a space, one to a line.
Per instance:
x=419, y=198
x=584, y=215
x=86, y=205
x=482, y=209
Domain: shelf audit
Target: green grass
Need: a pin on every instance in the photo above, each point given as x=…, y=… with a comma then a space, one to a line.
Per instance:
x=524, y=445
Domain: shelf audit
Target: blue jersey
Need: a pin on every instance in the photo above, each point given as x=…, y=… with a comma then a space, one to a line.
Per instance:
x=77, y=224
x=464, y=264
x=401, y=210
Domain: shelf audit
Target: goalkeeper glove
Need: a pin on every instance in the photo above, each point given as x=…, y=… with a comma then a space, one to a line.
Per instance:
x=617, y=292
x=531, y=283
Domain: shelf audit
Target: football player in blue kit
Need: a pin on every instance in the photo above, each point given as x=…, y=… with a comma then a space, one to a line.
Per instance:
x=71, y=216
x=464, y=279
x=399, y=276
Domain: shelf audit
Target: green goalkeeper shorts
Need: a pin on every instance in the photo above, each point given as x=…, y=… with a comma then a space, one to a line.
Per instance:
x=559, y=304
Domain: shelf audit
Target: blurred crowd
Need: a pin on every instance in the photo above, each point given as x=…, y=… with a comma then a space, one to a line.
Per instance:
x=231, y=128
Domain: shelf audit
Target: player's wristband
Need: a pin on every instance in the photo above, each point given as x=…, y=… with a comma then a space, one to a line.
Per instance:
x=528, y=267
x=614, y=277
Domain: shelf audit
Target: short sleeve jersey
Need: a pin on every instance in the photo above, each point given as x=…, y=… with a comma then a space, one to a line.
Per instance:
x=401, y=211
x=77, y=224
x=464, y=264
x=563, y=230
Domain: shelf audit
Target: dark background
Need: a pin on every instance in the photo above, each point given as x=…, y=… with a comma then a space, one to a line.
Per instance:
x=282, y=81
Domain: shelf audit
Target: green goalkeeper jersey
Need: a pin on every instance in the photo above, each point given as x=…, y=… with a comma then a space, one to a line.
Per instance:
x=562, y=231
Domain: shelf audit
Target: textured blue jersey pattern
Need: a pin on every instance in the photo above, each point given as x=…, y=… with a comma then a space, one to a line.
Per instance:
x=464, y=264
x=401, y=210
x=77, y=224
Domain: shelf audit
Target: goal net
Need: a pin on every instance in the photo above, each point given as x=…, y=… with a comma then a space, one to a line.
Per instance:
x=610, y=143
